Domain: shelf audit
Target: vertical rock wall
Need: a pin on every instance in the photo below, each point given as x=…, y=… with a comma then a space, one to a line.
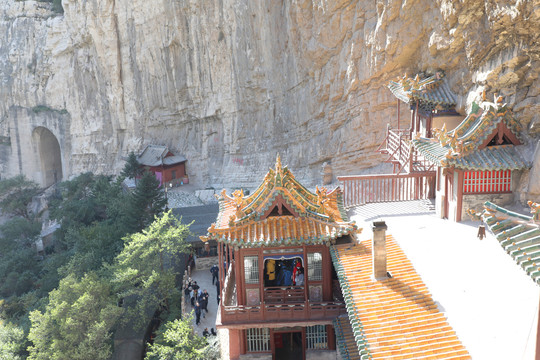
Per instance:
x=229, y=84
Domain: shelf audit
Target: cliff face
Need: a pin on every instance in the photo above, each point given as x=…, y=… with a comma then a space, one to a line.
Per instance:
x=229, y=83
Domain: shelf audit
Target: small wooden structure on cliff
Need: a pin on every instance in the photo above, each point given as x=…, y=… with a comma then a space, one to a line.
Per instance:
x=166, y=166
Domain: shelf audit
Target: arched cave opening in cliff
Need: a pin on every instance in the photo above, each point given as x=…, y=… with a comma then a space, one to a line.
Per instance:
x=50, y=157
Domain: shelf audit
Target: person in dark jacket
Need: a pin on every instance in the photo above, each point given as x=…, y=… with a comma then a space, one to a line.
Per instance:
x=197, y=313
x=203, y=300
x=215, y=273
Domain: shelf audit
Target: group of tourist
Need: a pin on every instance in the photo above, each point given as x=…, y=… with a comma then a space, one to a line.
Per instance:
x=284, y=272
x=206, y=333
x=199, y=299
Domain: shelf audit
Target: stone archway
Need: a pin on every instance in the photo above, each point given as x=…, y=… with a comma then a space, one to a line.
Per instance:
x=50, y=156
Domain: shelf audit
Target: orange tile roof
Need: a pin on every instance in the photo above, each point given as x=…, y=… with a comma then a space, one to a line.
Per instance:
x=283, y=230
x=304, y=217
x=395, y=318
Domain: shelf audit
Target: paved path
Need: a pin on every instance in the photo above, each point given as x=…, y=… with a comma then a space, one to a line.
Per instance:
x=204, y=279
x=488, y=299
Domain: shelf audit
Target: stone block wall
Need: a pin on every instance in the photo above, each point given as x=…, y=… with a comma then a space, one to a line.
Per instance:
x=476, y=202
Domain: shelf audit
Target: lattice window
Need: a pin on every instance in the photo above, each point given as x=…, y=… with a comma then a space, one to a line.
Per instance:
x=479, y=182
x=316, y=337
x=258, y=340
x=251, y=269
x=314, y=261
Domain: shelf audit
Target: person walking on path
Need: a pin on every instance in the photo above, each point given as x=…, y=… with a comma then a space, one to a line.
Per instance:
x=215, y=273
x=203, y=300
x=187, y=293
x=197, y=313
x=194, y=296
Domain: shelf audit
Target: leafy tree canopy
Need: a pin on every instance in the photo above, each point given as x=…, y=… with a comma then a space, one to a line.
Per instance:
x=12, y=342
x=145, y=268
x=15, y=195
x=77, y=323
x=176, y=341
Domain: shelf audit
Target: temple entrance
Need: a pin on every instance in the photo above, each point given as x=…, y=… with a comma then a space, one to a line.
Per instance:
x=50, y=157
x=288, y=346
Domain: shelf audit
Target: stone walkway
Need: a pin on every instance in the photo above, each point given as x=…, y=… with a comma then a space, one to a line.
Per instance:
x=204, y=279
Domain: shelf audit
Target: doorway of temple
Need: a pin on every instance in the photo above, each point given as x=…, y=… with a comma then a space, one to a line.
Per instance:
x=288, y=346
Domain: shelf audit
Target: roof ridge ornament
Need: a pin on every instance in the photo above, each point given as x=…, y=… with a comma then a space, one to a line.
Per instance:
x=535, y=210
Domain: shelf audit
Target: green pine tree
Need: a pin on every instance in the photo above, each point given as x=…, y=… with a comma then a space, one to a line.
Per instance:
x=146, y=201
x=132, y=168
x=147, y=266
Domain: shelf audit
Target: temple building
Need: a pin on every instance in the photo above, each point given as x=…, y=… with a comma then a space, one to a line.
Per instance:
x=296, y=283
x=432, y=105
x=480, y=160
x=169, y=169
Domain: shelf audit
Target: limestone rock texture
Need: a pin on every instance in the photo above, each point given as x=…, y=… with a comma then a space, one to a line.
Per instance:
x=229, y=84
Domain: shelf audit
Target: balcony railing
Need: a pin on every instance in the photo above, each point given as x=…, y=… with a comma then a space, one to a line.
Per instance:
x=285, y=295
x=281, y=312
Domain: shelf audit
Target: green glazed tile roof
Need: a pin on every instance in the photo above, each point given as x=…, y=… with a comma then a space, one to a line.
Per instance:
x=481, y=122
x=518, y=235
x=502, y=157
x=464, y=148
x=430, y=91
x=345, y=338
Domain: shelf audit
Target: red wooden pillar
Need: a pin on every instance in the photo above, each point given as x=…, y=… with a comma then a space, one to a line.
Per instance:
x=261, y=276
x=327, y=275
x=331, y=337
x=239, y=274
x=221, y=276
x=412, y=124
x=459, y=195
x=304, y=250
x=304, y=343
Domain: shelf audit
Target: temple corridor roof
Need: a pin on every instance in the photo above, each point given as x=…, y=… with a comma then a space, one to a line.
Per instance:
x=503, y=157
x=395, y=318
x=518, y=234
x=465, y=146
x=431, y=92
x=281, y=212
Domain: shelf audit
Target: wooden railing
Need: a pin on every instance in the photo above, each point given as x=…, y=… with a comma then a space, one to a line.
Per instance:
x=397, y=145
x=285, y=295
x=281, y=312
x=364, y=189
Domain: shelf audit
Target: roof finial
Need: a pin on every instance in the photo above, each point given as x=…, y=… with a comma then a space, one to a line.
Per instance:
x=278, y=164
